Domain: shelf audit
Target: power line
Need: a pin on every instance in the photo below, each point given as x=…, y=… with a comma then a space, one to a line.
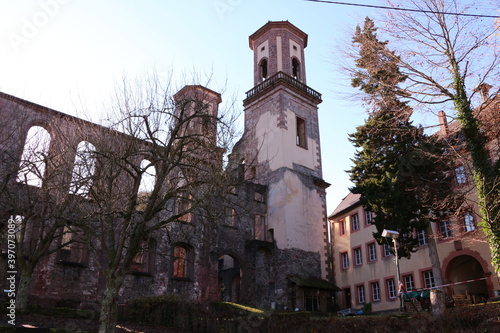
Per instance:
x=403, y=9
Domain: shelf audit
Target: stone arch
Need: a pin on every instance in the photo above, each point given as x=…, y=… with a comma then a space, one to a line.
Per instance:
x=33, y=160
x=229, y=274
x=467, y=265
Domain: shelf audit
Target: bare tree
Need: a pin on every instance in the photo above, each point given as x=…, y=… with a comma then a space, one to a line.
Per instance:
x=184, y=139
x=446, y=57
x=30, y=195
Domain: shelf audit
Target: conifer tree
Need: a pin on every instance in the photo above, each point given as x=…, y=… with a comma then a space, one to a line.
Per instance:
x=398, y=170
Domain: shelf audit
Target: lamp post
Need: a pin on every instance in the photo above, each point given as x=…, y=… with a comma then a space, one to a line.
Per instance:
x=394, y=234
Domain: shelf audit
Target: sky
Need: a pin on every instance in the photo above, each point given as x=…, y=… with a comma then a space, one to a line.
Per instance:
x=70, y=55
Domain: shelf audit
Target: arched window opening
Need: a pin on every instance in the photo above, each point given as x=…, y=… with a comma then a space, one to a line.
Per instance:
x=148, y=180
x=263, y=69
x=296, y=68
x=241, y=169
x=83, y=169
x=34, y=157
x=229, y=278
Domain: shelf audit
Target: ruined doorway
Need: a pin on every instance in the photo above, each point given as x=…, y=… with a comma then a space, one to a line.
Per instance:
x=229, y=278
x=463, y=268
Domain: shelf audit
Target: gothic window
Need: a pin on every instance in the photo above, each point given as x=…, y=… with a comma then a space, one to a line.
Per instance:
x=83, y=169
x=301, y=133
x=146, y=186
x=296, y=68
x=34, y=157
x=263, y=69
x=469, y=223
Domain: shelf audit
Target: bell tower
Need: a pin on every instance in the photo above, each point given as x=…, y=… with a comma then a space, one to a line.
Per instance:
x=282, y=144
x=278, y=47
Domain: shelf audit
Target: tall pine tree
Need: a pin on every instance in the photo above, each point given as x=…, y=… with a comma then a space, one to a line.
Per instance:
x=398, y=170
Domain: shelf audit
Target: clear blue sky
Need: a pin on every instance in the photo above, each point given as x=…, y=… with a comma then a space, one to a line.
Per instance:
x=59, y=53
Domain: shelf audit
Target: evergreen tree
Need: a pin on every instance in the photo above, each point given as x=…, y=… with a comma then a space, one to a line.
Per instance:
x=398, y=170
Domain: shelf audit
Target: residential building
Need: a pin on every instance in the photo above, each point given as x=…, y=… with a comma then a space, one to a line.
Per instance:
x=366, y=270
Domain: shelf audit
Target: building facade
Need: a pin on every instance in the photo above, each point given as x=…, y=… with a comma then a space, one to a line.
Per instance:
x=366, y=271
x=269, y=248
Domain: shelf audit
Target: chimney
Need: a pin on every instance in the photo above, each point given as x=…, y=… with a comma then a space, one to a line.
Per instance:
x=443, y=123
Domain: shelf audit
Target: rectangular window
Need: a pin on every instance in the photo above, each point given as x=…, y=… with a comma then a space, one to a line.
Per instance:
x=409, y=282
x=180, y=262
x=301, y=133
x=358, y=259
x=469, y=223
x=391, y=288
x=422, y=238
x=429, y=279
x=375, y=291
x=387, y=250
x=361, y=294
x=445, y=229
x=354, y=222
x=460, y=175
x=372, y=252
x=344, y=257
x=342, y=230
x=368, y=217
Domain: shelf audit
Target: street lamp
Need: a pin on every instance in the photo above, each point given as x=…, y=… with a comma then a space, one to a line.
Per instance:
x=394, y=234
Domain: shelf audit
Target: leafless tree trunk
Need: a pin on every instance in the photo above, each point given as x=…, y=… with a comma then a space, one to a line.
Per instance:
x=183, y=139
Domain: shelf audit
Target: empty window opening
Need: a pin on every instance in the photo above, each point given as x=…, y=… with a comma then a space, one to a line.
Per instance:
x=83, y=169
x=180, y=262
x=147, y=183
x=263, y=69
x=296, y=68
x=301, y=133
x=34, y=157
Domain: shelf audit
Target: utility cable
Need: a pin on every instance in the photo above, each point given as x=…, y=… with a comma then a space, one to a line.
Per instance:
x=403, y=9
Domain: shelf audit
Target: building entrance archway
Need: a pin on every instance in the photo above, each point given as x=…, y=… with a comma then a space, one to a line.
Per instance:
x=229, y=278
x=463, y=268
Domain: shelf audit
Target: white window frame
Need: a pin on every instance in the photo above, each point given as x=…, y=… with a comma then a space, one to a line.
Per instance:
x=361, y=294
x=375, y=291
x=391, y=288
x=358, y=257
x=469, y=222
x=372, y=252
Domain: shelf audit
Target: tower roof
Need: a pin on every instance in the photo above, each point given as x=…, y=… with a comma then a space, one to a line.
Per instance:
x=277, y=25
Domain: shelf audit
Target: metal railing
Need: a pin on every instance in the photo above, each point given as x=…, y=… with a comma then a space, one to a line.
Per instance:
x=280, y=76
